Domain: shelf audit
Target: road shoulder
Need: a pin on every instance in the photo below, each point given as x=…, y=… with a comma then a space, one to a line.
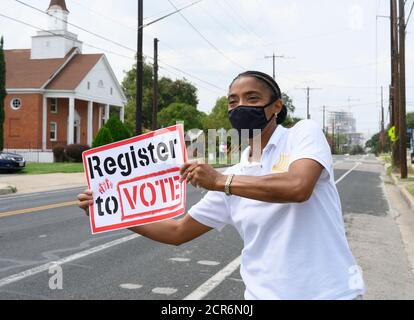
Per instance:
x=383, y=246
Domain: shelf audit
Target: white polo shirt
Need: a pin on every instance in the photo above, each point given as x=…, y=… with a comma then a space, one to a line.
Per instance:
x=291, y=251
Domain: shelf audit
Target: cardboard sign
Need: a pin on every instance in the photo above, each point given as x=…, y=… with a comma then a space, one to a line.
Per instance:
x=136, y=181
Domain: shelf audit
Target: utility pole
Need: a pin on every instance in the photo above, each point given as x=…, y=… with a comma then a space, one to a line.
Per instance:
x=402, y=108
x=140, y=70
x=155, y=87
x=308, y=89
x=273, y=57
x=394, y=80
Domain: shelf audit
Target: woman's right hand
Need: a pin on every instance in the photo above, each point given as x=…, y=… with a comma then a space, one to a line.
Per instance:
x=85, y=200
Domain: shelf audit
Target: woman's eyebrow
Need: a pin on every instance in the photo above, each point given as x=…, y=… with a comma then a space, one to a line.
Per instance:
x=253, y=92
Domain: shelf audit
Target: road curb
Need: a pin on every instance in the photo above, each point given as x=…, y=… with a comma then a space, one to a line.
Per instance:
x=404, y=192
x=6, y=189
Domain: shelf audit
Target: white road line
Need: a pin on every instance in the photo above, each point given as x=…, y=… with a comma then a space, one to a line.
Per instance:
x=180, y=259
x=199, y=293
x=203, y=290
x=130, y=286
x=208, y=263
x=76, y=256
x=348, y=172
x=166, y=291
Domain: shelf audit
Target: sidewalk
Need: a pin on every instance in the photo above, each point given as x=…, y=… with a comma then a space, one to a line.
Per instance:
x=25, y=183
x=383, y=243
x=383, y=246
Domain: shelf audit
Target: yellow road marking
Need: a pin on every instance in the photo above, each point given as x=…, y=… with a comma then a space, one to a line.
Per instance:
x=42, y=208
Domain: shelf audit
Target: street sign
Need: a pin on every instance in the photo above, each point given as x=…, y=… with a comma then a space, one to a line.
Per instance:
x=136, y=181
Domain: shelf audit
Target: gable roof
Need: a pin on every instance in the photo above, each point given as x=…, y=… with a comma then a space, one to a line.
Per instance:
x=74, y=72
x=24, y=73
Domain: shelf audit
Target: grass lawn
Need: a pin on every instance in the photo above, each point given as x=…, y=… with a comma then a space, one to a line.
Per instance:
x=42, y=168
x=411, y=189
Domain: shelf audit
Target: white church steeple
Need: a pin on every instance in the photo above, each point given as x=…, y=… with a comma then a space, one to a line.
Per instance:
x=58, y=15
x=56, y=41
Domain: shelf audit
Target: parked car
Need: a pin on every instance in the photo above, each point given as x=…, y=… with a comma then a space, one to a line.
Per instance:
x=11, y=162
x=412, y=157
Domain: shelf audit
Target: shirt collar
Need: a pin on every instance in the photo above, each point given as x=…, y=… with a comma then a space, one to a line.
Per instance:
x=273, y=142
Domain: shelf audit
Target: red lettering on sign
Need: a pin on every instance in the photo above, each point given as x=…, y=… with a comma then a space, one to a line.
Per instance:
x=151, y=195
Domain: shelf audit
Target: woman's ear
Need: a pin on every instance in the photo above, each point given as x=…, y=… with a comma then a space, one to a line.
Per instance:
x=278, y=106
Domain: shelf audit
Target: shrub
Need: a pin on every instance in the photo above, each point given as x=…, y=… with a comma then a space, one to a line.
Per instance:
x=118, y=129
x=74, y=152
x=59, y=152
x=103, y=137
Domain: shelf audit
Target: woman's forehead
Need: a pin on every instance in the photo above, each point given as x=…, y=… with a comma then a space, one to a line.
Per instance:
x=247, y=84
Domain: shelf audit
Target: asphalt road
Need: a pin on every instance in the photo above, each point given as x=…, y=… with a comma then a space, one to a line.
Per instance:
x=119, y=265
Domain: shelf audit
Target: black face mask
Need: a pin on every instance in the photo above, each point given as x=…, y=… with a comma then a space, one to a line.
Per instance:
x=250, y=117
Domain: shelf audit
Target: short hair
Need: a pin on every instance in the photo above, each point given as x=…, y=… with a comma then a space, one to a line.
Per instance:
x=272, y=85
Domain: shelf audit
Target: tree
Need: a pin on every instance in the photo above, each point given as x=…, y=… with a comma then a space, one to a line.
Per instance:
x=129, y=87
x=410, y=120
x=218, y=117
x=170, y=91
x=374, y=144
x=2, y=92
x=192, y=118
x=117, y=129
x=180, y=91
x=357, y=149
x=103, y=137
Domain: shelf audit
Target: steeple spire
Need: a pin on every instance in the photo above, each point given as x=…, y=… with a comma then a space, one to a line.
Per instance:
x=58, y=3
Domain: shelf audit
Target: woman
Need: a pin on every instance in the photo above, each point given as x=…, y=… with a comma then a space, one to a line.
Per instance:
x=283, y=202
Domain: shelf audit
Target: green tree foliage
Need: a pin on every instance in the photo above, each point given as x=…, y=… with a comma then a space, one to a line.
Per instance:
x=410, y=120
x=117, y=129
x=2, y=92
x=374, y=144
x=218, y=117
x=178, y=91
x=103, y=137
x=192, y=118
x=357, y=150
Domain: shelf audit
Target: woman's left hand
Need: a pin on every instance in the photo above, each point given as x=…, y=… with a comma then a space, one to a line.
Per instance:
x=202, y=176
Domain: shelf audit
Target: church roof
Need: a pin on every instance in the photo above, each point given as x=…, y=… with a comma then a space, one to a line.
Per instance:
x=58, y=3
x=25, y=73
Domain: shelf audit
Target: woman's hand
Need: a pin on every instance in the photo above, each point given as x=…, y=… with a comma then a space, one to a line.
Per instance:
x=202, y=176
x=85, y=200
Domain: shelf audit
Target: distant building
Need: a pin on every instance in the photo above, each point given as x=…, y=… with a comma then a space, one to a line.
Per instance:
x=56, y=94
x=344, y=123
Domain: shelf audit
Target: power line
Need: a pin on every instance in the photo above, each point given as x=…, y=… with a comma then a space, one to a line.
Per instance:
x=236, y=19
x=112, y=52
x=74, y=25
x=205, y=39
x=232, y=9
x=63, y=36
x=171, y=13
x=100, y=36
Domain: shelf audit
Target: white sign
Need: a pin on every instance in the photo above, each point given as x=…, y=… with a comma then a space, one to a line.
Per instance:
x=136, y=181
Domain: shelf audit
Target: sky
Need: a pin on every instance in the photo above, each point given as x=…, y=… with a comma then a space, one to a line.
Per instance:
x=341, y=48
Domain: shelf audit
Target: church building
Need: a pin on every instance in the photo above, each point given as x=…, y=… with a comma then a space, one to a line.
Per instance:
x=55, y=93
